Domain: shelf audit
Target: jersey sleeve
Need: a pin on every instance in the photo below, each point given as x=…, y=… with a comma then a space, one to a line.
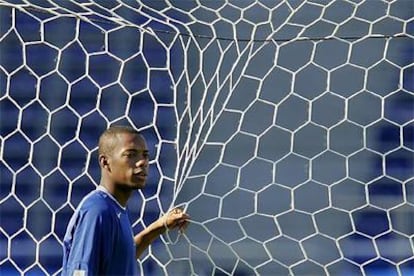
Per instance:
x=90, y=248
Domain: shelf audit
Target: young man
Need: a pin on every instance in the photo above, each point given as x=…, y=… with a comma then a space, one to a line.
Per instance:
x=99, y=238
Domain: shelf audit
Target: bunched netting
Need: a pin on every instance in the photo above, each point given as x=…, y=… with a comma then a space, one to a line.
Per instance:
x=285, y=128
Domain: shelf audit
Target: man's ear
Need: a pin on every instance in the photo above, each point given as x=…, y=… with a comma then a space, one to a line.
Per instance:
x=103, y=162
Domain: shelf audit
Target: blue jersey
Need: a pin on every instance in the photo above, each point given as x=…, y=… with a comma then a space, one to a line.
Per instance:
x=99, y=238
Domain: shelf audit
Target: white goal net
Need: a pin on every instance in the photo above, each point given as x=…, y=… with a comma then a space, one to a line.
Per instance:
x=284, y=127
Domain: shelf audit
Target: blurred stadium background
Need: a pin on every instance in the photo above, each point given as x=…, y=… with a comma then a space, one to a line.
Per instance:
x=305, y=162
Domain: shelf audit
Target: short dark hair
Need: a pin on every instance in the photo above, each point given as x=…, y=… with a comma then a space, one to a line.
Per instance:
x=108, y=137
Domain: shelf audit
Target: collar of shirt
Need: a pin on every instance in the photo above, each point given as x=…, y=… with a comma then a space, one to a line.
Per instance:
x=103, y=189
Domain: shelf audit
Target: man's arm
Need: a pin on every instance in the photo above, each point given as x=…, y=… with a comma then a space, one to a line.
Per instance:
x=87, y=242
x=176, y=218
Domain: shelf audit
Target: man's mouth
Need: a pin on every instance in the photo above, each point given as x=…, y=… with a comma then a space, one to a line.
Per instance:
x=142, y=174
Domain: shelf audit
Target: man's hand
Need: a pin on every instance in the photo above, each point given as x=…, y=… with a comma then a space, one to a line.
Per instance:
x=176, y=218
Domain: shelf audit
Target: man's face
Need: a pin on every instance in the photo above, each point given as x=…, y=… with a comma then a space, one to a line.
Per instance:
x=129, y=161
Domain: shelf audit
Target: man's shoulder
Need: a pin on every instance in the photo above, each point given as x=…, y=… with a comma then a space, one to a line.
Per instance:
x=95, y=202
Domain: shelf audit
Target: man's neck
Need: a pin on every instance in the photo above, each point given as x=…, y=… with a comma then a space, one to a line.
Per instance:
x=120, y=195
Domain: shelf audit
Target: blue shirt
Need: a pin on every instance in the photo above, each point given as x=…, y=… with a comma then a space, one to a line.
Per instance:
x=99, y=238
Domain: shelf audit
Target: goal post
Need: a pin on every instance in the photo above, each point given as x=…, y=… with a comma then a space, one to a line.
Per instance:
x=284, y=128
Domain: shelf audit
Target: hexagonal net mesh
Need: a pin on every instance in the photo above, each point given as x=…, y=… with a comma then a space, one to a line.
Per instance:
x=284, y=127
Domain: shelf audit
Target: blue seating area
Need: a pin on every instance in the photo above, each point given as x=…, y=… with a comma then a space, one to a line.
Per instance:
x=51, y=134
x=58, y=95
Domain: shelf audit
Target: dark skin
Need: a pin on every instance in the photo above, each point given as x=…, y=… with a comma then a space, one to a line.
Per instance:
x=124, y=169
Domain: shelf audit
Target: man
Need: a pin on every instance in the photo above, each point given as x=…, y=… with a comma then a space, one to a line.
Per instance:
x=99, y=238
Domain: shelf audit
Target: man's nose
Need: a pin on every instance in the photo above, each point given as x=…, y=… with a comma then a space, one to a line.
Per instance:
x=143, y=163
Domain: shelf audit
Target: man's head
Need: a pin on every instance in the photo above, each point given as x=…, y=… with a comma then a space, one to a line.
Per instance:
x=123, y=157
